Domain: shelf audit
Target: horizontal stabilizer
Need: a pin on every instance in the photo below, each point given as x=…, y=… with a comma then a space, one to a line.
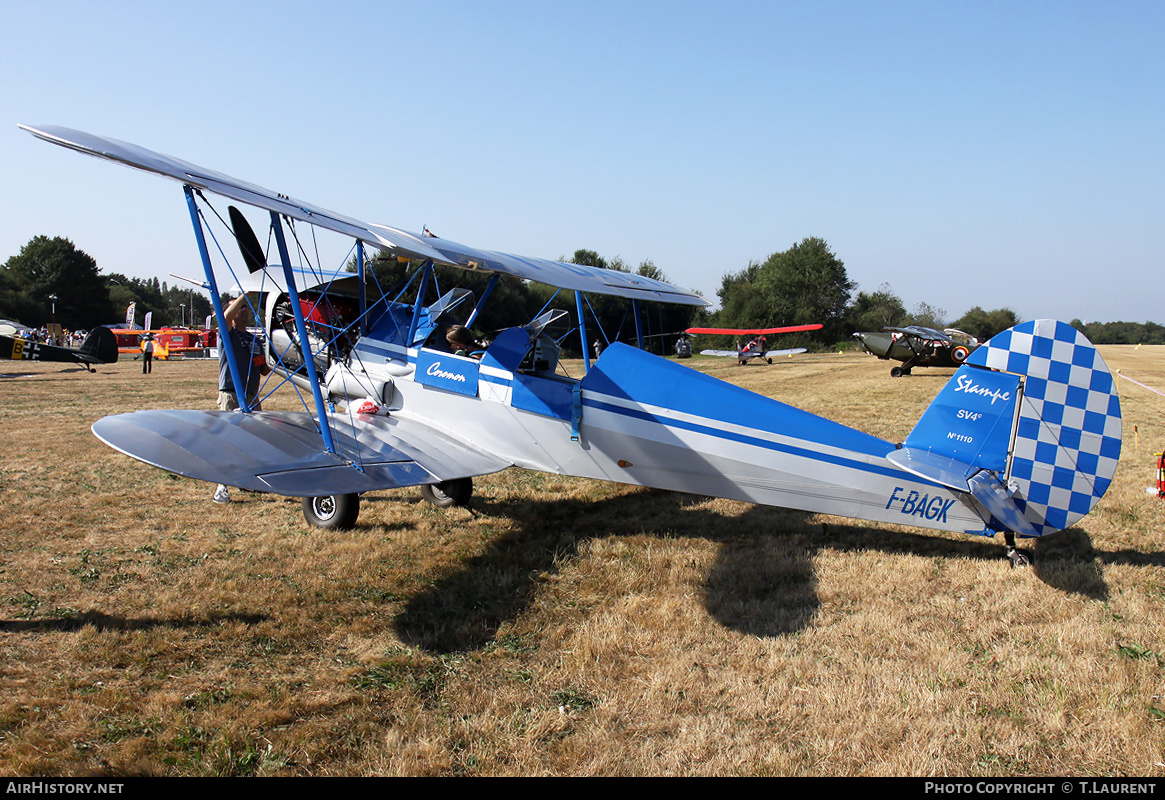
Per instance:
x=281, y=452
x=950, y=472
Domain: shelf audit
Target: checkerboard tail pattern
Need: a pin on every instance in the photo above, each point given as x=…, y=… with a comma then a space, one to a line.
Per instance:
x=1068, y=435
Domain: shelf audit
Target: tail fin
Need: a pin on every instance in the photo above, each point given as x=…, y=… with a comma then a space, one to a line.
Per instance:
x=1030, y=426
x=99, y=347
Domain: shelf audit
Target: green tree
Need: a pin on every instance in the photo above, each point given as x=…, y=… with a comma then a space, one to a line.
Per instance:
x=46, y=267
x=742, y=303
x=186, y=304
x=877, y=310
x=806, y=284
x=14, y=302
x=985, y=324
x=647, y=269
x=662, y=322
x=146, y=295
x=1121, y=332
x=588, y=258
x=929, y=316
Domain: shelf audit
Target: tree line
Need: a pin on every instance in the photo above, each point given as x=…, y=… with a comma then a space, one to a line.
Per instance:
x=52, y=280
x=808, y=284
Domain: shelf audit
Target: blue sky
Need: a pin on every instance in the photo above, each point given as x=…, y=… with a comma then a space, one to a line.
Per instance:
x=966, y=153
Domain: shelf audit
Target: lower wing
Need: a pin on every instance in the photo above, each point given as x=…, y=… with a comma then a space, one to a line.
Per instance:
x=281, y=452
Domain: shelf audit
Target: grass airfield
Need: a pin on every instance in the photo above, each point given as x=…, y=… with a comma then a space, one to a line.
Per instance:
x=560, y=626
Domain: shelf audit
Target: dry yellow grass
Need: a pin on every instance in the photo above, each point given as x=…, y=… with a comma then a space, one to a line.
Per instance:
x=559, y=626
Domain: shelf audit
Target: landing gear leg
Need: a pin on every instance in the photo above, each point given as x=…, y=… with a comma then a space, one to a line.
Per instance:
x=1019, y=558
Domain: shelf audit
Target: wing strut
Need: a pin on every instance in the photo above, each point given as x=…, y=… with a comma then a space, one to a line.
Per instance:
x=309, y=361
x=224, y=334
x=363, y=289
x=484, y=297
x=426, y=272
x=638, y=323
x=582, y=332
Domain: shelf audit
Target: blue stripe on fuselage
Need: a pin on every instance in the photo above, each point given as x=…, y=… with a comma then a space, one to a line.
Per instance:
x=743, y=438
x=627, y=373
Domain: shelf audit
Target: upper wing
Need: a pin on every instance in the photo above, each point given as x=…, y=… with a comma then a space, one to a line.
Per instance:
x=211, y=181
x=922, y=333
x=393, y=240
x=754, y=331
x=280, y=452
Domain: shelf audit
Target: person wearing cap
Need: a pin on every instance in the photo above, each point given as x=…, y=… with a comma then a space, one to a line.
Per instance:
x=147, y=353
x=252, y=364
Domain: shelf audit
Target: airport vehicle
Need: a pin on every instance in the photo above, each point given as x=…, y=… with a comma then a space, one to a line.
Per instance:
x=167, y=341
x=1023, y=440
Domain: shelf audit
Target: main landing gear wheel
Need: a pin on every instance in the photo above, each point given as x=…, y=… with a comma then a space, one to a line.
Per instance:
x=769, y=360
x=448, y=493
x=898, y=372
x=332, y=511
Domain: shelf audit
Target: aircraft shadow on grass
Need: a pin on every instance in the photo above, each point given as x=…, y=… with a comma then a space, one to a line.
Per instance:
x=762, y=583
x=108, y=622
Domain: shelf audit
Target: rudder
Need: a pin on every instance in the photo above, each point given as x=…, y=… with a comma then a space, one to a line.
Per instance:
x=99, y=346
x=1030, y=425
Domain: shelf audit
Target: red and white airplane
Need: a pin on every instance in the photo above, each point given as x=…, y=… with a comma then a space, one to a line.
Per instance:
x=754, y=347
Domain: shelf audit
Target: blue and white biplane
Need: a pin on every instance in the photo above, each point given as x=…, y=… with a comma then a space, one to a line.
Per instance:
x=1023, y=440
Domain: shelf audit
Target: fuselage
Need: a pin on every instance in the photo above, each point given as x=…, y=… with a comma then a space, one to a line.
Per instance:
x=639, y=419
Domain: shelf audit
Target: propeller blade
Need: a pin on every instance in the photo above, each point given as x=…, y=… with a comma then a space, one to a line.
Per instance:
x=248, y=243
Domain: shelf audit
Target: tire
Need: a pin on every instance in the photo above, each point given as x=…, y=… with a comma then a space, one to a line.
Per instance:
x=333, y=511
x=896, y=372
x=448, y=493
x=1020, y=559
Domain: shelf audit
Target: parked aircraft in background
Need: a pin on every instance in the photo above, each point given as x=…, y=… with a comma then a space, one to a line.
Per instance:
x=918, y=347
x=99, y=347
x=755, y=346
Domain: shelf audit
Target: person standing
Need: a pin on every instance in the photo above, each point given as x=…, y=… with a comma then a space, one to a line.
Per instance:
x=252, y=365
x=148, y=354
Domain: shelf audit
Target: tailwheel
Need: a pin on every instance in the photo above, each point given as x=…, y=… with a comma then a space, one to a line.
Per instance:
x=448, y=493
x=332, y=511
x=1020, y=559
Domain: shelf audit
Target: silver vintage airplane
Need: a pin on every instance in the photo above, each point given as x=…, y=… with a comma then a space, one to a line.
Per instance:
x=1023, y=440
